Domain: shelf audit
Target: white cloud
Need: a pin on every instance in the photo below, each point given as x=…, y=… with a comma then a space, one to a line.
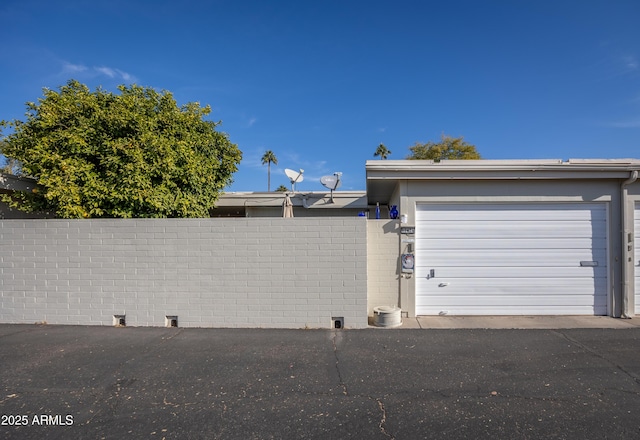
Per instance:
x=127, y=77
x=106, y=71
x=252, y=121
x=613, y=64
x=624, y=65
x=114, y=73
x=630, y=62
x=92, y=72
x=253, y=158
x=630, y=123
x=313, y=169
x=73, y=68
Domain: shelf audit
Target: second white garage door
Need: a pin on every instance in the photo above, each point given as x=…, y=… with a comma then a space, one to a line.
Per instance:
x=505, y=259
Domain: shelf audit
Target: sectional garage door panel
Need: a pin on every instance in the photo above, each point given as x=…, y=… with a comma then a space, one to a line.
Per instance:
x=525, y=243
x=496, y=259
x=513, y=258
x=636, y=259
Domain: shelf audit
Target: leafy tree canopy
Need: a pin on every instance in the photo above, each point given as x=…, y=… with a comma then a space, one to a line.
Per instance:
x=448, y=148
x=282, y=188
x=132, y=154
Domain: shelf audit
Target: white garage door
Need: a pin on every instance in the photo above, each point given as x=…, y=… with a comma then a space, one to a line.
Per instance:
x=636, y=258
x=504, y=259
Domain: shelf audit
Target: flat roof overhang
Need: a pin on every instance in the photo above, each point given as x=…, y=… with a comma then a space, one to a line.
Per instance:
x=307, y=199
x=9, y=182
x=383, y=176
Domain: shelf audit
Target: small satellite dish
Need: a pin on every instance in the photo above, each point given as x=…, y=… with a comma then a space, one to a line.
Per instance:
x=332, y=182
x=294, y=177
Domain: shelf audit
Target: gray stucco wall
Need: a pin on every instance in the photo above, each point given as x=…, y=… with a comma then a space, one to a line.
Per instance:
x=277, y=273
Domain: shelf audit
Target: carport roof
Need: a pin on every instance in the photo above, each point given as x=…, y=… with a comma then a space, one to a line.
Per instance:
x=313, y=199
x=236, y=203
x=384, y=175
x=9, y=182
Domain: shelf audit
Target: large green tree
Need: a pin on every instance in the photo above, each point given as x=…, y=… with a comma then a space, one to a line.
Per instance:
x=448, y=148
x=269, y=158
x=130, y=154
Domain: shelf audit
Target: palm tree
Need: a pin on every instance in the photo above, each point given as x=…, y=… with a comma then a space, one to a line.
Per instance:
x=269, y=158
x=382, y=151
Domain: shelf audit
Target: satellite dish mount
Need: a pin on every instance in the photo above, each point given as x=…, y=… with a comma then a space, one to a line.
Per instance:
x=294, y=177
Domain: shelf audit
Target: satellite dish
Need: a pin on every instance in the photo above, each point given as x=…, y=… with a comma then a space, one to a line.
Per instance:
x=332, y=182
x=294, y=177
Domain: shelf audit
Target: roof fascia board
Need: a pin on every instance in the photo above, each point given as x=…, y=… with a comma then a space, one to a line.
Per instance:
x=501, y=175
x=547, y=169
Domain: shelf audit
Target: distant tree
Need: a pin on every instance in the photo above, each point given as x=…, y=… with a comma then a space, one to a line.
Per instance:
x=282, y=188
x=133, y=154
x=11, y=166
x=382, y=151
x=269, y=158
x=448, y=148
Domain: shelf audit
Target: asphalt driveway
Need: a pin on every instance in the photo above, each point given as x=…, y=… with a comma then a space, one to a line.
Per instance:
x=173, y=383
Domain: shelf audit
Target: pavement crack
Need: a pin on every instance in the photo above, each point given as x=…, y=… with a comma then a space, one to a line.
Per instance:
x=383, y=419
x=179, y=332
x=598, y=355
x=335, y=353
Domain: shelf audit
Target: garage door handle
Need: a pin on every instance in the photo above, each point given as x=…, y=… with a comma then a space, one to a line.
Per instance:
x=443, y=284
x=432, y=274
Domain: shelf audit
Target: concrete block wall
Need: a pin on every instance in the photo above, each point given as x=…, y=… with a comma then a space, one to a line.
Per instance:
x=383, y=263
x=254, y=272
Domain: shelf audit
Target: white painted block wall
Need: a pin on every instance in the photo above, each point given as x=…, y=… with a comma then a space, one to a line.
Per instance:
x=383, y=262
x=253, y=272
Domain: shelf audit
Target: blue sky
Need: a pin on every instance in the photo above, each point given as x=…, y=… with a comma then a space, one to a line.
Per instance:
x=323, y=83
